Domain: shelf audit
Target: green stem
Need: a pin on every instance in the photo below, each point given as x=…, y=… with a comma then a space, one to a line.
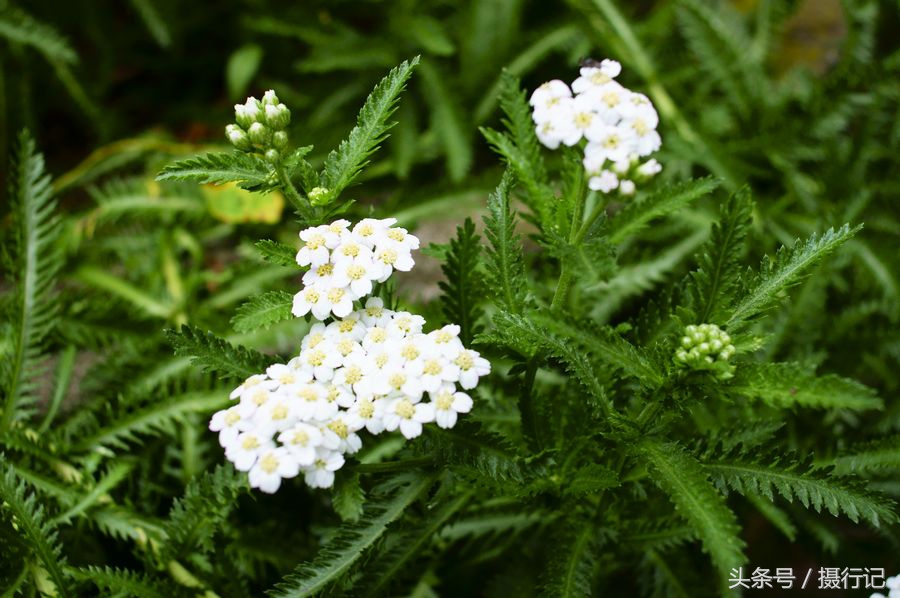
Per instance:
x=302, y=205
x=393, y=465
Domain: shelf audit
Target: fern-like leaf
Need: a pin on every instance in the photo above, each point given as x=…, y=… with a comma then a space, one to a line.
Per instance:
x=262, y=311
x=36, y=260
x=277, y=253
x=714, y=282
x=215, y=354
x=813, y=491
x=786, y=269
x=248, y=171
x=463, y=284
x=123, y=582
x=29, y=519
x=345, y=548
x=788, y=385
x=877, y=456
x=344, y=164
x=697, y=500
x=637, y=214
x=574, y=560
x=505, y=263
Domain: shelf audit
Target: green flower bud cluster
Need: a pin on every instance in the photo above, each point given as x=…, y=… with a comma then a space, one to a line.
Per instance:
x=704, y=346
x=260, y=126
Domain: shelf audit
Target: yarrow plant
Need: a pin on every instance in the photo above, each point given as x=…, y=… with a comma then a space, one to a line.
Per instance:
x=618, y=125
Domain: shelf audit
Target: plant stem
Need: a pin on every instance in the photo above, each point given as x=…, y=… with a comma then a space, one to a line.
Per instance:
x=302, y=205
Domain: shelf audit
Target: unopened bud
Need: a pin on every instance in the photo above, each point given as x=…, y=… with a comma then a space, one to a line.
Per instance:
x=318, y=196
x=238, y=138
x=260, y=134
x=279, y=140
x=247, y=113
x=273, y=156
x=269, y=98
x=277, y=116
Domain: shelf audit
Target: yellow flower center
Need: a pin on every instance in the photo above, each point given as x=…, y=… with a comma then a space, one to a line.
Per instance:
x=249, y=443
x=339, y=428
x=583, y=120
x=325, y=269
x=232, y=417
x=286, y=378
x=356, y=272
x=405, y=409
x=444, y=401
x=410, y=352
x=640, y=127
x=365, y=230
x=381, y=360
x=315, y=339
x=396, y=381
x=350, y=250
x=378, y=335
x=432, y=367
x=611, y=98
x=269, y=463
x=465, y=361
x=388, y=256
x=396, y=234
x=366, y=409
x=345, y=346
x=611, y=142
x=315, y=358
x=335, y=295
x=260, y=397
x=443, y=337
x=300, y=437
x=280, y=412
x=353, y=374
x=599, y=78
x=404, y=323
x=347, y=325
x=308, y=394
x=374, y=312
x=315, y=241
x=311, y=296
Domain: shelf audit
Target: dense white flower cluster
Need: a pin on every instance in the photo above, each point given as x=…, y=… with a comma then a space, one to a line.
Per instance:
x=370, y=369
x=344, y=262
x=618, y=124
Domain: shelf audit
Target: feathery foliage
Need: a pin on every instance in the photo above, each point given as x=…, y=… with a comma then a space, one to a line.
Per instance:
x=505, y=263
x=463, y=284
x=248, y=171
x=211, y=353
x=262, y=311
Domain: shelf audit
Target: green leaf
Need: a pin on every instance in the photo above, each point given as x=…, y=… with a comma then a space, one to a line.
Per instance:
x=344, y=164
x=215, y=354
x=505, y=263
x=836, y=495
x=348, y=497
x=35, y=261
x=714, y=282
x=262, y=311
x=19, y=27
x=242, y=66
x=123, y=582
x=447, y=121
x=197, y=516
x=346, y=547
x=786, y=269
x=664, y=201
x=877, y=456
x=786, y=385
x=463, y=284
x=574, y=561
x=277, y=253
x=29, y=519
x=153, y=22
x=248, y=171
x=686, y=483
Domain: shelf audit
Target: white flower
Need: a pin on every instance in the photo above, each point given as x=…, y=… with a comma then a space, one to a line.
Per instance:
x=314, y=252
x=284, y=375
x=650, y=167
x=548, y=96
x=446, y=340
x=312, y=403
x=321, y=276
x=596, y=77
x=407, y=416
x=606, y=181
x=369, y=413
x=357, y=274
x=447, y=404
x=388, y=259
x=434, y=371
x=613, y=143
x=352, y=249
x=374, y=313
x=369, y=230
x=398, y=238
x=553, y=131
x=471, y=367
x=246, y=448
x=626, y=187
x=228, y=423
x=321, y=473
x=404, y=323
x=311, y=299
x=323, y=360
x=301, y=441
x=343, y=428
x=273, y=465
x=250, y=383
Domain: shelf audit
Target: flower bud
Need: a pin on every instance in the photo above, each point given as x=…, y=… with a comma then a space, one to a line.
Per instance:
x=318, y=196
x=247, y=113
x=273, y=156
x=277, y=116
x=269, y=98
x=650, y=168
x=626, y=187
x=238, y=138
x=705, y=347
x=279, y=140
x=260, y=134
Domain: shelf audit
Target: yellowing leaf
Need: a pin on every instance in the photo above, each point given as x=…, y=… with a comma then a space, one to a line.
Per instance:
x=229, y=203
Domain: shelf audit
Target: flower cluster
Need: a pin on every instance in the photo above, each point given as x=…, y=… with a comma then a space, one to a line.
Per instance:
x=369, y=370
x=892, y=584
x=618, y=124
x=705, y=346
x=260, y=126
x=344, y=263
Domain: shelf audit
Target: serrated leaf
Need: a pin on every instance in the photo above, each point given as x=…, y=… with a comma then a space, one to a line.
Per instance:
x=786, y=269
x=18, y=26
x=344, y=164
x=687, y=485
x=248, y=171
x=348, y=497
x=664, y=201
x=505, y=263
x=262, y=311
x=277, y=253
x=788, y=385
x=463, y=284
x=215, y=354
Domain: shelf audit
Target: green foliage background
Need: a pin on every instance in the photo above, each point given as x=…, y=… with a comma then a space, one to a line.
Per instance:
x=132, y=304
